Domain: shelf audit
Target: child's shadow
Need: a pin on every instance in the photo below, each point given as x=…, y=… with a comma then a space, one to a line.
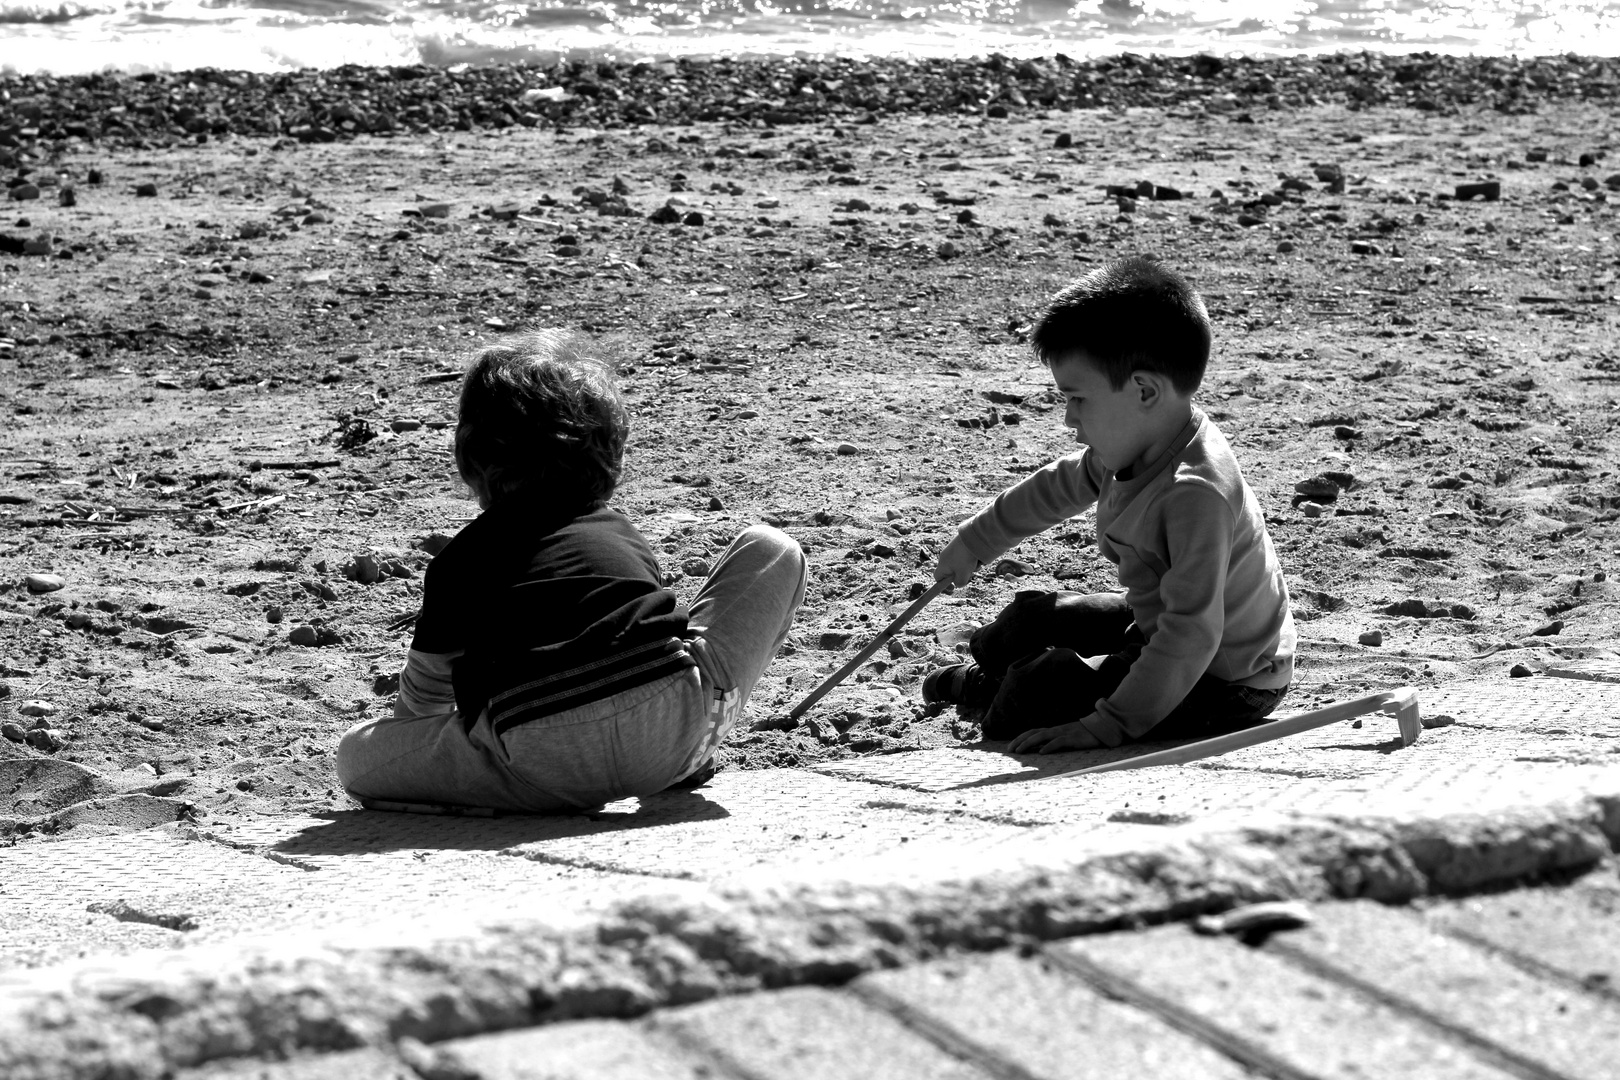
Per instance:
x=372, y=832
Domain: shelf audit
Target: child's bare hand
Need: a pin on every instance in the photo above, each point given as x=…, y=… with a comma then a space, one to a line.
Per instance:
x=956, y=563
x=1053, y=740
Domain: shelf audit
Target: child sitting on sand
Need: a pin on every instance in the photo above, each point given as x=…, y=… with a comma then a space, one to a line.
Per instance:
x=1202, y=640
x=551, y=669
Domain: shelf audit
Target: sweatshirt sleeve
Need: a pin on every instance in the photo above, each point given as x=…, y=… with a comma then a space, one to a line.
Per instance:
x=1042, y=499
x=1188, y=632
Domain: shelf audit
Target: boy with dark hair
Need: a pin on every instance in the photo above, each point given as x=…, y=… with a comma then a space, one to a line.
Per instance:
x=551, y=669
x=1202, y=640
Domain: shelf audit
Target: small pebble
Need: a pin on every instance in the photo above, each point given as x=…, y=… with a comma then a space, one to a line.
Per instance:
x=847, y=449
x=13, y=731
x=434, y=209
x=715, y=503
x=146, y=191
x=35, y=707
x=695, y=567
x=1549, y=629
x=273, y=614
x=1439, y=720
x=1372, y=637
x=199, y=582
x=404, y=424
x=1312, y=509
x=947, y=250
x=1519, y=671
x=43, y=583
x=303, y=635
x=1285, y=247
x=1014, y=568
x=152, y=723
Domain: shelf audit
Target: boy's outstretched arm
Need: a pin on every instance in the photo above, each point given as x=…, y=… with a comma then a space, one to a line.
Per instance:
x=957, y=563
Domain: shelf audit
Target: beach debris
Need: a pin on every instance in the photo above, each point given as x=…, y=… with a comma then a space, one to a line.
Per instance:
x=1262, y=918
x=43, y=583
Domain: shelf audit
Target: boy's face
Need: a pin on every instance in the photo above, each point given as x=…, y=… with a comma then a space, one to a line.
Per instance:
x=1111, y=422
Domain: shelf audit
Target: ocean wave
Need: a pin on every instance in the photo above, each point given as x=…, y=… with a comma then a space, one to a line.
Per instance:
x=13, y=12
x=71, y=36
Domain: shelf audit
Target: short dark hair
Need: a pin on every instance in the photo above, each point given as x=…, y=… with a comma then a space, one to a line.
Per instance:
x=541, y=417
x=1131, y=315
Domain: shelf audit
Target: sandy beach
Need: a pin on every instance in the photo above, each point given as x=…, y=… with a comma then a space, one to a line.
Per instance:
x=228, y=373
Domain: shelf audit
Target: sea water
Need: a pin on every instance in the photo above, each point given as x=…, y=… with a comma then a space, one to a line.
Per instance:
x=70, y=36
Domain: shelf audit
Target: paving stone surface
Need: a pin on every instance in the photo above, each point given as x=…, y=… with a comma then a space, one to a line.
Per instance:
x=1037, y=1017
x=1571, y=934
x=809, y=1033
x=582, y=1050
x=1366, y=990
x=1518, y=1018
x=1268, y=1012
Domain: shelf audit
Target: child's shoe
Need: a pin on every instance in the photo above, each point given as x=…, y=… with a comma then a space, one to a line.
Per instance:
x=959, y=684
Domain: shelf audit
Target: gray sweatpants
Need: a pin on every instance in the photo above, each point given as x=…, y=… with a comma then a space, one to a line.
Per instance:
x=631, y=743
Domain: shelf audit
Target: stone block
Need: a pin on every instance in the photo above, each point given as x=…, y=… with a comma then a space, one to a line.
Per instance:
x=582, y=1050
x=811, y=1034
x=1267, y=1011
x=1038, y=1018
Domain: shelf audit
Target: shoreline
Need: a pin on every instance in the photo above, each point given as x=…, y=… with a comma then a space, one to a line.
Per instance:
x=156, y=110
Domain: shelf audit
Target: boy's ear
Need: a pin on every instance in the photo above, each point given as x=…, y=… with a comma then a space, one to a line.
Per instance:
x=1148, y=386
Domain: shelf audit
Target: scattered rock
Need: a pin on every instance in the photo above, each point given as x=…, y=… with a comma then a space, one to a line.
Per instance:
x=715, y=503
x=147, y=190
x=1371, y=637
x=834, y=640
x=13, y=731
x=1489, y=190
x=43, y=583
x=847, y=449
x=1321, y=487
x=1312, y=509
x=303, y=635
x=695, y=567
x=364, y=569
x=35, y=707
x=404, y=424
x=49, y=740
x=1519, y=671
x=1438, y=720
x=1014, y=568
x=433, y=543
x=947, y=250
x=1549, y=629
x=273, y=614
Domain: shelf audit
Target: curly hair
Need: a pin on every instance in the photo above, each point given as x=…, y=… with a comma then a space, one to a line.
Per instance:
x=1130, y=315
x=541, y=418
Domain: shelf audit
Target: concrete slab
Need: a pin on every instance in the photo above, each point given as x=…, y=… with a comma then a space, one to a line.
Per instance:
x=1521, y=1020
x=812, y=1034
x=1266, y=1012
x=583, y=1050
x=1041, y=1019
x=1570, y=934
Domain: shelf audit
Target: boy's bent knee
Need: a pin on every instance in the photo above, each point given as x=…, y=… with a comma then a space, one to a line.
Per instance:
x=771, y=539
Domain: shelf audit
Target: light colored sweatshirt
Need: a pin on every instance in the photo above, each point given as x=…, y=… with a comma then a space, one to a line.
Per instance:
x=1199, y=570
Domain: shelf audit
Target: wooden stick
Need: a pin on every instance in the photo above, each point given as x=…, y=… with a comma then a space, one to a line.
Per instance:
x=942, y=585
x=1403, y=703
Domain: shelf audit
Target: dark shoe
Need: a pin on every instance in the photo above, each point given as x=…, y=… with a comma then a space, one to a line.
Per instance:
x=696, y=779
x=959, y=684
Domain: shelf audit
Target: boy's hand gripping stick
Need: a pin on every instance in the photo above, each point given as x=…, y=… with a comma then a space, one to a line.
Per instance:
x=942, y=585
x=1403, y=703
